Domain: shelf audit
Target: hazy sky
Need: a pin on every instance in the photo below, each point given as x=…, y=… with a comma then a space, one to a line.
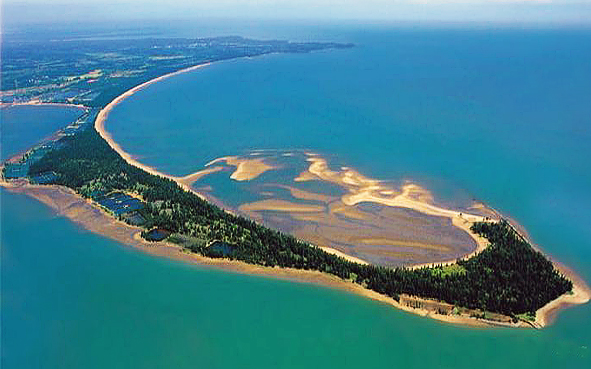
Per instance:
x=528, y=11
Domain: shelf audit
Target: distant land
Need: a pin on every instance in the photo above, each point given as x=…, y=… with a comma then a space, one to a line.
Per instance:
x=94, y=72
x=504, y=281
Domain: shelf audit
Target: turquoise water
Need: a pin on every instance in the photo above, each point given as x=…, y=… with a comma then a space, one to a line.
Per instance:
x=500, y=115
x=73, y=299
x=23, y=126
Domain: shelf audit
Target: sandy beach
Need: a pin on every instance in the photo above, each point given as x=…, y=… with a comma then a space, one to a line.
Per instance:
x=101, y=118
x=581, y=294
x=67, y=203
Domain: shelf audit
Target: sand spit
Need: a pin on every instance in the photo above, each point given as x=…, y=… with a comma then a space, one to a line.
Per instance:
x=581, y=294
x=344, y=256
x=87, y=214
x=101, y=118
x=191, y=178
x=363, y=189
x=67, y=203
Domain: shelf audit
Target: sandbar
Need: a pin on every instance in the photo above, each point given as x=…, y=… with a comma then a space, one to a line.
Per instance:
x=362, y=189
x=246, y=169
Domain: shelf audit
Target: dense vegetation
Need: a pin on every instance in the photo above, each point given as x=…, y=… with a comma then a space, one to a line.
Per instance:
x=509, y=277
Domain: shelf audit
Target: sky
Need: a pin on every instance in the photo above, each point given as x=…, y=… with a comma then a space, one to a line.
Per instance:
x=19, y=12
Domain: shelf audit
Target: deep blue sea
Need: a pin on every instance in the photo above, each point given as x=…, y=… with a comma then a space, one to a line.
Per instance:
x=502, y=115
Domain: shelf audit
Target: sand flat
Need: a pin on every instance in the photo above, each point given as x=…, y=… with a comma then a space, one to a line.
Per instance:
x=279, y=205
x=193, y=177
x=67, y=203
x=247, y=169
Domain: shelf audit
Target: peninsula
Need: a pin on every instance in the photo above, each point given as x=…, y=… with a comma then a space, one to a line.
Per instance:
x=505, y=281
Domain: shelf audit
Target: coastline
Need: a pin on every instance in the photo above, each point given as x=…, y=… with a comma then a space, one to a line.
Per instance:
x=581, y=294
x=66, y=202
x=99, y=126
x=544, y=316
x=248, y=169
x=52, y=136
x=39, y=103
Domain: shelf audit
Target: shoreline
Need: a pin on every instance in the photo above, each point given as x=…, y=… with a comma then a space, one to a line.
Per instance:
x=251, y=168
x=544, y=316
x=99, y=126
x=83, y=212
x=65, y=202
x=40, y=103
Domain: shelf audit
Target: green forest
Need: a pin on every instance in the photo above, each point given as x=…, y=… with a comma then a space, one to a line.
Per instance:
x=508, y=277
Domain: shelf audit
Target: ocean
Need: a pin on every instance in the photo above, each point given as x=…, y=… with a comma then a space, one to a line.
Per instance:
x=498, y=115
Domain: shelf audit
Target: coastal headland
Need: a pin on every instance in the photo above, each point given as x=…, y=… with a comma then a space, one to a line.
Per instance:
x=65, y=202
x=86, y=213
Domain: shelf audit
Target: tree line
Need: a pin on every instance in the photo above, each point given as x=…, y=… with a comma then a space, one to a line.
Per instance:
x=508, y=277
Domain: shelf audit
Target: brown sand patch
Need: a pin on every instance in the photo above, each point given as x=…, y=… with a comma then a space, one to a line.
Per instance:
x=307, y=195
x=349, y=211
x=246, y=169
x=279, y=205
x=402, y=243
x=191, y=178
